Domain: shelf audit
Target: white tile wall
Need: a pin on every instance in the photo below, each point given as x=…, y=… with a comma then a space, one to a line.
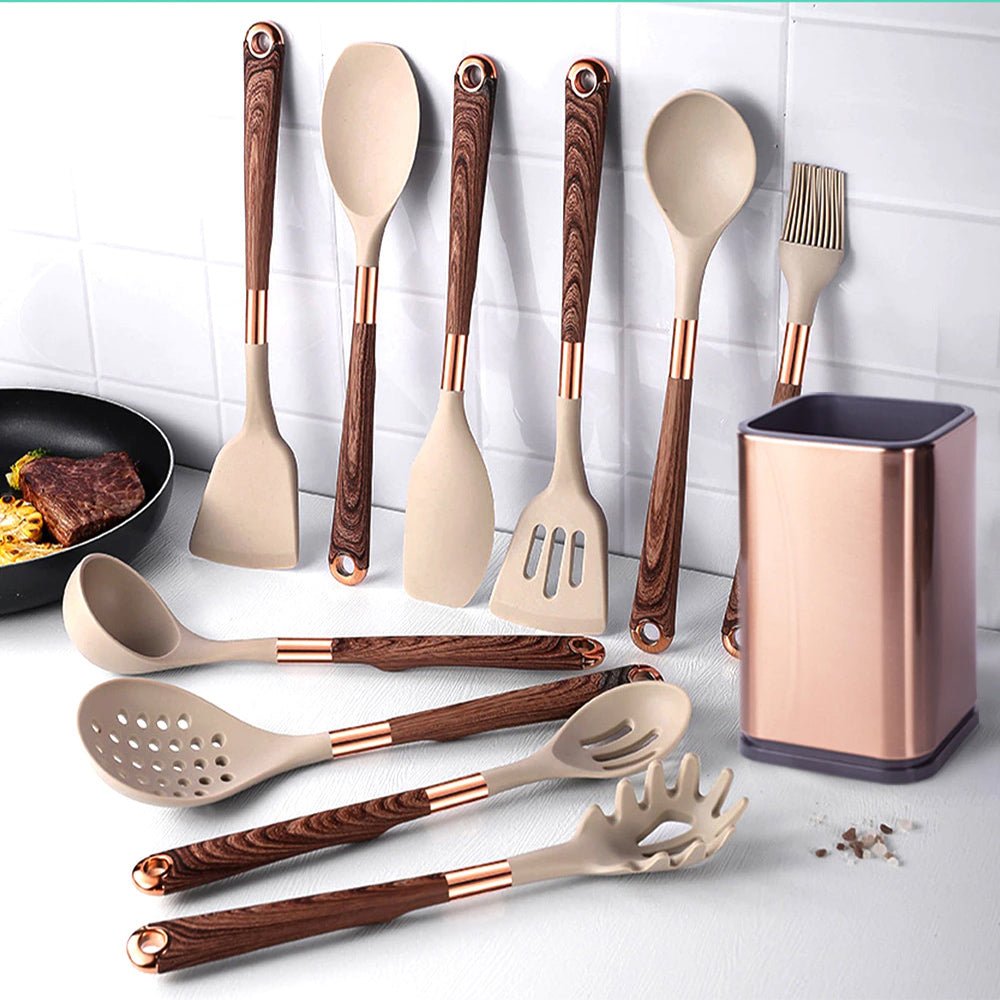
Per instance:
x=121, y=210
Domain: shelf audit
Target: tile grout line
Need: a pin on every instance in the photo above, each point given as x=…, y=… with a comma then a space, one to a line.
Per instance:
x=896, y=27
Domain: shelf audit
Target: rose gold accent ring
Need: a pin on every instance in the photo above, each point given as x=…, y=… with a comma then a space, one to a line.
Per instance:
x=346, y=570
x=570, y=369
x=481, y=878
x=474, y=71
x=344, y=742
x=453, y=369
x=730, y=644
x=149, y=874
x=641, y=639
x=793, y=353
x=255, y=325
x=145, y=946
x=590, y=650
x=585, y=76
x=643, y=672
x=262, y=37
x=365, y=294
x=304, y=651
x=449, y=794
x=685, y=333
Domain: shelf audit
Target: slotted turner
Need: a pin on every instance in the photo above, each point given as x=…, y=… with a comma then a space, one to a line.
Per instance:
x=603, y=845
x=555, y=574
x=615, y=734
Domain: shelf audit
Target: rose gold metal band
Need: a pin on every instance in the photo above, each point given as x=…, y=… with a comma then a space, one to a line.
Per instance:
x=255, y=326
x=453, y=370
x=682, y=348
x=571, y=369
x=344, y=742
x=305, y=651
x=793, y=353
x=449, y=794
x=482, y=878
x=365, y=294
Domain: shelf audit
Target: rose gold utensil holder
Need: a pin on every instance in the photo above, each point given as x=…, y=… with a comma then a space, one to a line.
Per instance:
x=857, y=521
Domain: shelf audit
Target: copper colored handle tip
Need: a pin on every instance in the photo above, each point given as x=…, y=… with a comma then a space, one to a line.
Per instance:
x=730, y=644
x=145, y=945
x=590, y=650
x=657, y=645
x=643, y=672
x=150, y=874
x=345, y=570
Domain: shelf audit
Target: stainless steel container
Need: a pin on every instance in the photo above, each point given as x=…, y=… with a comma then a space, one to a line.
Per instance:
x=857, y=572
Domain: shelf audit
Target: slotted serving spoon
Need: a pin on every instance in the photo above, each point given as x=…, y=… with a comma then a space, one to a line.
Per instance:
x=615, y=734
x=609, y=844
x=230, y=527
x=371, y=119
x=119, y=622
x=700, y=166
x=449, y=503
x=555, y=574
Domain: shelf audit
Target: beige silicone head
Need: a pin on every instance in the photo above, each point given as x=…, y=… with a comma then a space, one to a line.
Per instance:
x=119, y=622
x=614, y=844
x=615, y=734
x=700, y=166
x=370, y=124
x=165, y=746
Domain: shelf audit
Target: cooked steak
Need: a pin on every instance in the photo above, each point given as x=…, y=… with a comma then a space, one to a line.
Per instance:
x=81, y=497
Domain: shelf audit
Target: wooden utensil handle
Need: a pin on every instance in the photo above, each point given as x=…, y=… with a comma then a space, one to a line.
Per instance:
x=654, y=606
x=263, y=62
x=518, y=652
x=587, y=88
x=207, y=937
x=540, y=703
x=212, y=860
x=470, y=152
x=731, y=620
x=352, y=508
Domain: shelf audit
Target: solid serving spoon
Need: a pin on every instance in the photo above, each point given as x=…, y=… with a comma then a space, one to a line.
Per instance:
x=603, y=845
x=615, y=734
x=161, y=744
x=119, y=622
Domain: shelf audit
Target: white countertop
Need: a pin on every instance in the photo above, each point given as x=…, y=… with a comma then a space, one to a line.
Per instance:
x=766, y=918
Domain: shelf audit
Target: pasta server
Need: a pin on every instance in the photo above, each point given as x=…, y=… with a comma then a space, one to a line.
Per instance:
x=604, y=844
x=555, y=574
x=615, y=734
x=449, y=505
x=257, y=463
x=120, y=623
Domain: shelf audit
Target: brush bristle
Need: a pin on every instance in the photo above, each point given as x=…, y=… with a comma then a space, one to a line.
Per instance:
x=815, y=213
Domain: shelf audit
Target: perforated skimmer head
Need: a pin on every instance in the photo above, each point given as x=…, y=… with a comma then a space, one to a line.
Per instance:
x=163, y=745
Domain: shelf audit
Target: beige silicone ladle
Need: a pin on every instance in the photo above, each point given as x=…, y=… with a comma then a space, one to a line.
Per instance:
x=700, y=166
x=120, y=623
x=370, y=124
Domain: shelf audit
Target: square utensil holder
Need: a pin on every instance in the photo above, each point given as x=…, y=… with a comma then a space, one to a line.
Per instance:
x=857, y=577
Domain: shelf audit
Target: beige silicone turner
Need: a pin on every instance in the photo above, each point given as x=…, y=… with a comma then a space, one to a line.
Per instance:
x=555, y=574
x=612, y=844
x=249, y=514
x=449, y=507
x=370, y=123
x=700, y=166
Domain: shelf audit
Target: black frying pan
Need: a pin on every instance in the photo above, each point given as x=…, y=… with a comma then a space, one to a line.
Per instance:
x=78, y=426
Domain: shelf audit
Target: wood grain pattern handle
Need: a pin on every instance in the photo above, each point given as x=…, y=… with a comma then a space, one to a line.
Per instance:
x=181, y=943
x=654, y=606
x=263, y=62
x=731, y=619
x=513, y=652
x=352, y=509
x=475, y=94
x=540, y=703
x=587, y=89
x=208, y=861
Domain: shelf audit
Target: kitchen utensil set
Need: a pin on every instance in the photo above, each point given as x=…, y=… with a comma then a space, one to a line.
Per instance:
x=257, y=463
x=612, y=844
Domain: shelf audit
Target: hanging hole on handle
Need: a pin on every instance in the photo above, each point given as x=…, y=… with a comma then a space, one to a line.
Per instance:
x=346, y=569
x=586, y=75
x=647, y=635
x=731, y=643
x=474, y=71
x=261, y=38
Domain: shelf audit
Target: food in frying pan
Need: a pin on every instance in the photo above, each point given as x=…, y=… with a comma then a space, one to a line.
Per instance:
x=65, y=501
